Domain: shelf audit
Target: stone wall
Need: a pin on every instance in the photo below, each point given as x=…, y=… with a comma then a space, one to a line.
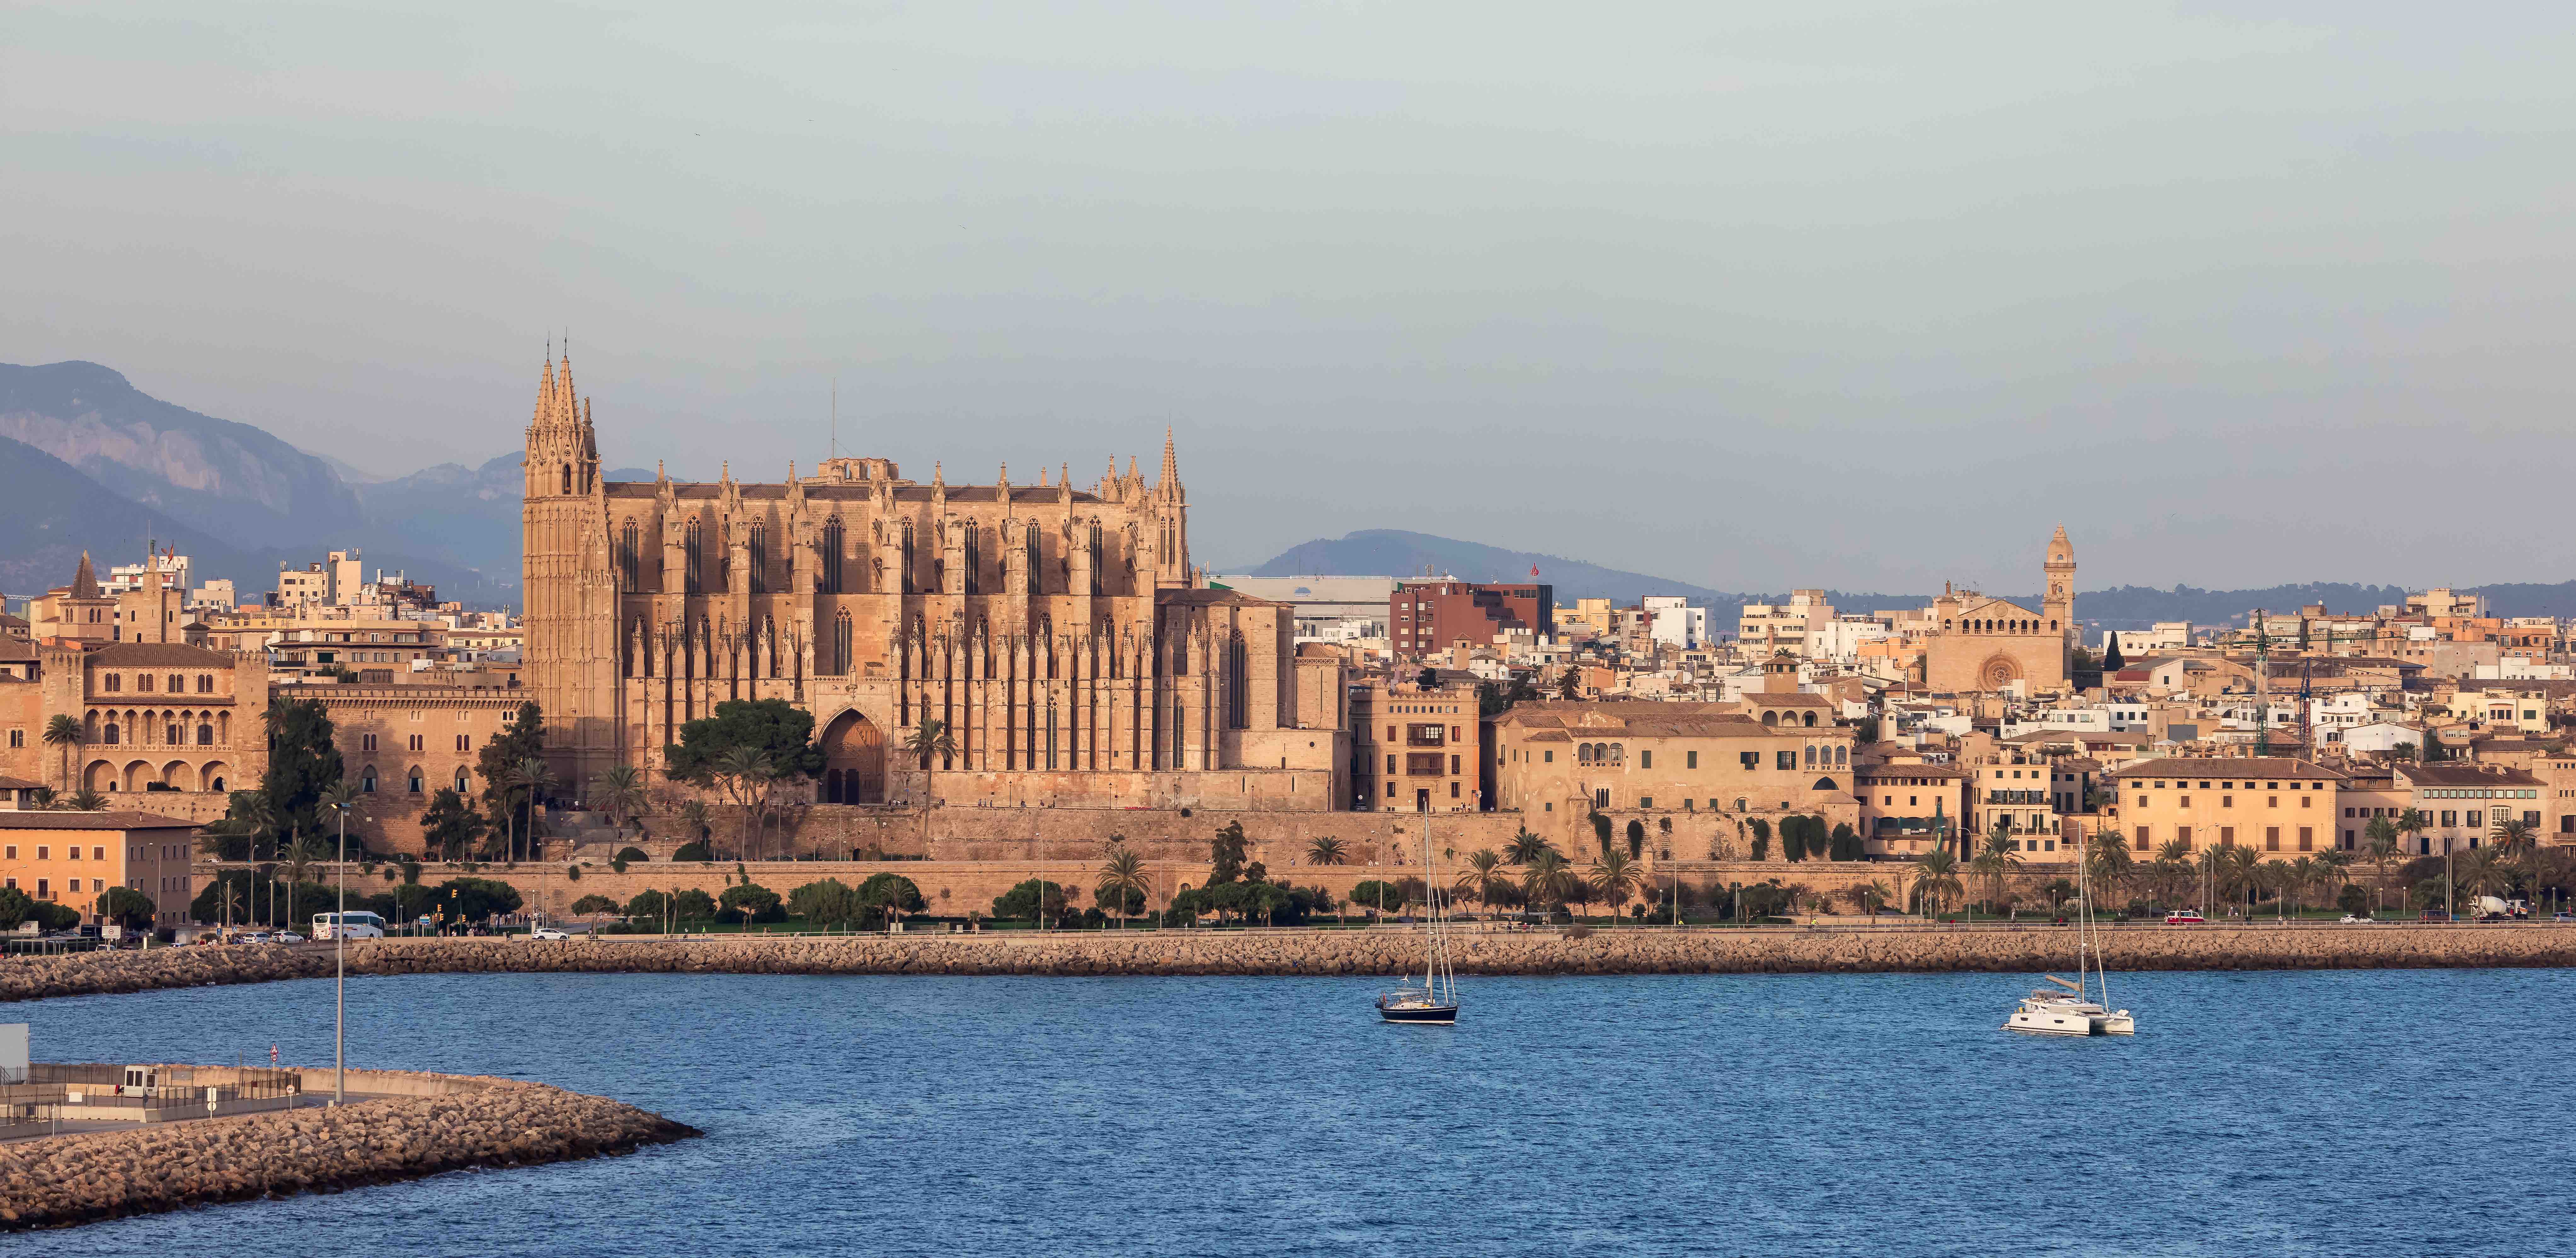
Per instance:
x=1386, y=950
x=57, y=1181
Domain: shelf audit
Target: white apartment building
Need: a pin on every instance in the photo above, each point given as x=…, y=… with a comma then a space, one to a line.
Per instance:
x=1674, y=622
x=1763, y=628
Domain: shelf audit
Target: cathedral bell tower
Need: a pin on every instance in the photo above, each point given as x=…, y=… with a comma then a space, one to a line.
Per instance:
x=567, y=590
x=2058, y=607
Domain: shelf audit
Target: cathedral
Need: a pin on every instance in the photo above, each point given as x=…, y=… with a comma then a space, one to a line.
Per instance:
x=1058, y=636
x=1981, y=643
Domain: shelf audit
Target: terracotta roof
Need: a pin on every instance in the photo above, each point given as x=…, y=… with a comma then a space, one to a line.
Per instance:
x=68, y=820
x=84, y=582
x=2465, y=775
x=16, y=649
x=18, y=784
x=1758, y=700
x=2276, y=767
x=159, y=655
x=1643, y=719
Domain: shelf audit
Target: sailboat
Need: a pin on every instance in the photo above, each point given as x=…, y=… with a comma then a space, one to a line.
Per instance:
x=1434, y=1001
x=2071, y=1008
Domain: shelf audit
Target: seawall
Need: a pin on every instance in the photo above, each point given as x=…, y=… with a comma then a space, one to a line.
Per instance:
x=436, y=1123
x=1849, y=949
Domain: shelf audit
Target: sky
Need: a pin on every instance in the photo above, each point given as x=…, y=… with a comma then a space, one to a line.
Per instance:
x=1848, y=295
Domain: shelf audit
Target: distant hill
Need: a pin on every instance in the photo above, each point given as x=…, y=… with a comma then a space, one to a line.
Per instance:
x=458, y=515
x=52, y=511
x=1393, y=552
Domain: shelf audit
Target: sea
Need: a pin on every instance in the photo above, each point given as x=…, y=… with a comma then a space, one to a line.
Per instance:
x=2400, y=1112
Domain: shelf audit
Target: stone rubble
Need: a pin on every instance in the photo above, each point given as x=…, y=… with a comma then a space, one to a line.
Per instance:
x=58, y=1181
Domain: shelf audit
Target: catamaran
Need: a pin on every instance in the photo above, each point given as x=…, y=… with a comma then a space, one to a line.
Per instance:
x=2071, y=1008
x=1434, y=1001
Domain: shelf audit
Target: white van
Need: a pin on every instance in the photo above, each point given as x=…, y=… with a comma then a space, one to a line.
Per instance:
x=358, y=925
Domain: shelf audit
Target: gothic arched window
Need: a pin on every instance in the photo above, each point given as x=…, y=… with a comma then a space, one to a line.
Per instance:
x=832, y=556
x=1031, y=565
x=1095, y=562
x=759, y=556
x=841, y=644
x=907, y=557
x=974, y=560
x=626, y=558
x=693, y=548
x=1238, y=680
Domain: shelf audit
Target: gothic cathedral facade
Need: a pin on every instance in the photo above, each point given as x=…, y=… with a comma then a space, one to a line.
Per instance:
x=1984, y=643
x=1059, y=637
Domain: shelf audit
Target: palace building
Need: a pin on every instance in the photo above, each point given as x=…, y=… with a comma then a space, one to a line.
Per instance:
x=1059, y=636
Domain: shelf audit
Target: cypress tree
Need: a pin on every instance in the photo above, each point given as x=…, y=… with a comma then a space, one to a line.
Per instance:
x=2112, y=661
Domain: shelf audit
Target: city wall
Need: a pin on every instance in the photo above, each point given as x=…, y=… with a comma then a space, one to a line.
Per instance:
x=418, y=1125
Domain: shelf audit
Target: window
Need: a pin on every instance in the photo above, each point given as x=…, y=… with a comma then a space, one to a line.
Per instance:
x=17, y=738
x=2227, y=836
x=1750, y=759
x=178, y=684
x=143, y=683
x=1550, y=758
x=2183, y=833
x=205, y=735
x=462, y=785
x=2271, y=838
x=115, y=682
x=1645, y=759
x=1786, y=759
x=2307, y=838
x=367, y=779
x=366, y=742
x=1690, y=759
x=205, y=683
x=415, y=742
x=464, y=742
x=415, y=781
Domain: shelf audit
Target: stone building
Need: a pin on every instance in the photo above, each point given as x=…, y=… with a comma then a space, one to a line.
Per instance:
x=1985, y=643
x=2277, y=805
x=1414, y=748
x=1558, y=762
x=72, y=858
x=1060, y=636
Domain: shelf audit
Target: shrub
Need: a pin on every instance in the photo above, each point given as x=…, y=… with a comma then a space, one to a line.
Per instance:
x=694, y=850
x=572, y=873
x=632, y=855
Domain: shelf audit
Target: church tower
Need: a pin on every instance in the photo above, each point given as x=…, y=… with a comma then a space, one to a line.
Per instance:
x=1169, y=511
x=566, y=586
x=2059, y=605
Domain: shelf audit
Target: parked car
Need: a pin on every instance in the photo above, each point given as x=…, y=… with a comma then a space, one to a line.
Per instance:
x=2184, y=917
x=547, y=932
x=2357, y=919
x=286, y=936
x=251, y=937
x=2563, y=917
x=2432, y=915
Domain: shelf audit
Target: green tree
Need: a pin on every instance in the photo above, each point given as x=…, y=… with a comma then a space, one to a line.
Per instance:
x=2516, y=840
x=1761, y=839
x=1600, y=831
x=752, y=903
x=450, y=826
x=1525, y=847
x=1324, y=850
x=499, y=765
x=84, y=800
x=523, y=786
x=830, y=904
x=1482, y=877
x=590, y=904
x=619, y=792
x=63, y=732
x=1029, y=899
x=1226, y=853
x=1936, y=880
x=2108, y=864
x=1122, y=880
x=1545, y=880
x=2379, y=847
x=1997, y=861
x=1636, y=839
x=1616, y=878
x=773, y=727
x=1845, y=844
x=477, y=899
x=1569, y=686
x=931, y=743
x=747, y=777
x=128, y=907
x=891, y=894
x=303, y=761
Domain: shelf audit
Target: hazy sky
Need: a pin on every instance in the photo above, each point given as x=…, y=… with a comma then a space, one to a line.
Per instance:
x=1861, y=296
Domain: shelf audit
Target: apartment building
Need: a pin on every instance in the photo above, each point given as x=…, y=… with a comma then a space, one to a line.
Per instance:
x=2277, y=805
x=1415, y=748
x=72, y=858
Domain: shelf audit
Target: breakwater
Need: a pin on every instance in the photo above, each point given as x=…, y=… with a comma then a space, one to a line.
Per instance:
x=1844, y=949
x=431, y=1124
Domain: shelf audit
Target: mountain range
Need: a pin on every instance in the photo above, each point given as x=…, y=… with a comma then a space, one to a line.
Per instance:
x=89, y=462
x=1394, y=552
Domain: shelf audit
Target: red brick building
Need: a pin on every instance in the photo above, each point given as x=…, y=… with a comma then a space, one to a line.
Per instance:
x=1425, y=616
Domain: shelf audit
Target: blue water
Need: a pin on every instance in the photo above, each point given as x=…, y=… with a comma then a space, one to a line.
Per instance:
x=2275, y=1113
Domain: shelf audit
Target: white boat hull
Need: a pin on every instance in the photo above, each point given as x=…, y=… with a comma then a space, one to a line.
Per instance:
x=2051, y=1017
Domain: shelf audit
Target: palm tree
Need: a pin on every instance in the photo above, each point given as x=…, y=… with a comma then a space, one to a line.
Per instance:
x=2110, y=864
x=2516, y=838
x=533, y=777
x=85, y=800
x=746, y=773
x=64, y=732
x=1546, y=878
x=1937, y=880
x=2380, y=848
x=2000, y=856
x=1325, y=850
x=620, y=791
x=1481, y=876
x=1525, y=847
x=1122, y=878
x=693, y=815
x=929, y=740
x=1616, y=876
x=2331, y=864
x=2300, y=874
x=2241, y=869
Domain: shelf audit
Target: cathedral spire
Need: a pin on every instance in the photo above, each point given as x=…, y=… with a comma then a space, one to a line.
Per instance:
x=1171, y=464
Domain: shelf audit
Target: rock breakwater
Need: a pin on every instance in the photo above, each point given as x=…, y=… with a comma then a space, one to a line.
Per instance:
x=56, y=1181
x=1386, y=951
